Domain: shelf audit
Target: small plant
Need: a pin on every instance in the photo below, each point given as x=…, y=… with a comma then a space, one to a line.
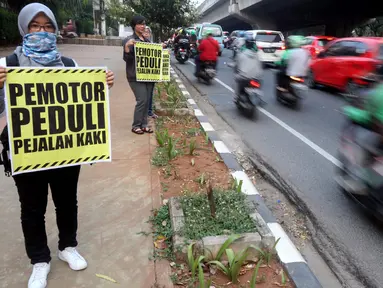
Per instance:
x=237, y=185
x=253, y=282
x=202, y=179
x=201, y=278
x=235, y=263
x=206, y=138
x=192, y=147
x=226, y=245
x=160, y=157
x=193, y=262
x=171, y=148
x=162, y=137
x=217, y=159
x=283, y=278
x=266, y=254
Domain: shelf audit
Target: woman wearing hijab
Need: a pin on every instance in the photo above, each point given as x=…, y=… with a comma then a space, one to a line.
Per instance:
x=148, y=35
x=142, y=90
x=38, y=27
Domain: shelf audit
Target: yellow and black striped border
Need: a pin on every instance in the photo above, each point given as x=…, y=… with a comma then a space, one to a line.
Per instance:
x=62, y=163
x=54, y=71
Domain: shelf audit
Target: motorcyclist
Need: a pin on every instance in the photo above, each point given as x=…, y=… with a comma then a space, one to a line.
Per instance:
x=370, y=114
x=294, y=62
x=238, y=43
x=182, y=34
x=248, y=65
x=193, y=37
x=208, y=51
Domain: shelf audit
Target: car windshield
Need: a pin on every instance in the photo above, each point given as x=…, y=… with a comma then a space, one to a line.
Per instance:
x=268, y=37
x=323, y=42
x=216, y=31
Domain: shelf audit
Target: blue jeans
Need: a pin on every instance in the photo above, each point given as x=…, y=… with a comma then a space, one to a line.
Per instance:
x=150, y=110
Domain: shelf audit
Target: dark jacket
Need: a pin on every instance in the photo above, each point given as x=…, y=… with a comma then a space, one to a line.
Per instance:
x=130, y=58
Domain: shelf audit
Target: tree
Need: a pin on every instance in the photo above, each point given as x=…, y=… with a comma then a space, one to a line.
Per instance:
x=373, y=27
x=119, y=12
x=72, y=5
x=163, y=15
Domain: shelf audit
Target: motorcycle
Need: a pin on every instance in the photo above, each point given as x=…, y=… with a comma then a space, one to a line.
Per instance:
x=182, y=53
x=193, y=50
x=360, y=174
x=207, y=72
x=252, y=98
x=295, y=92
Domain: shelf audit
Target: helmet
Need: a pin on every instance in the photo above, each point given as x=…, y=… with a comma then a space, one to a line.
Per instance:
x=181, y=31
x=241, y=34
x=192, y=32
x=250, y=42
x=207, y=32
x=295, y=41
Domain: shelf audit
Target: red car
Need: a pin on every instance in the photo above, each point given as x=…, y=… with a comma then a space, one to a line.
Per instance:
x=316, y=44
x=344, y=61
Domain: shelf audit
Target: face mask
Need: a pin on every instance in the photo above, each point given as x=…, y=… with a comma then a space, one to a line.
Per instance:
x=41, y=47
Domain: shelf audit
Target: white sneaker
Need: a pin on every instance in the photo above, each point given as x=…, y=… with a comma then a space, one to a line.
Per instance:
x=39, y=275
x=73, y=258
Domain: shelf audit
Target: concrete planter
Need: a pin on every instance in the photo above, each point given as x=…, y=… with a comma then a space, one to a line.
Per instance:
x=164, y=111
x=263, y=238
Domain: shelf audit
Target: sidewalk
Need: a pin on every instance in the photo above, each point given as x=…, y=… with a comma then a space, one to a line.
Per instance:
x=115, y=202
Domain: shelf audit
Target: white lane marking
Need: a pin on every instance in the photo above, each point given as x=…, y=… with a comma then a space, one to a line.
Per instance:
x=178, y=81
x=182, y=86
x=207, y=126
x=220, y=147
x=304, y=139
x=198, y=112
x=287, y=251
x=185, y=92
x=248, y=187
x=191, y=101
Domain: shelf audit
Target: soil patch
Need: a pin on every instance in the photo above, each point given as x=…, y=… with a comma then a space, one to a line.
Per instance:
x=192, y=168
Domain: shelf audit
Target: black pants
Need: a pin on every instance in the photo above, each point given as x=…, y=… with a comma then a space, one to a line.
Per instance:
x=198, y=64
x=33, y=195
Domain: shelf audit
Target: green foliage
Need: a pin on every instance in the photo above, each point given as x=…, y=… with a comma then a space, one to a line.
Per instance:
x=253, y=282
x=163, y=15
x=119, y=12
x=9, y=32
x=235, y=263
x=232, y=215
x=193, y=262
x=373, y=27
x=226, y=245
x=201, y=279
x=162, y=137
x=162, y=227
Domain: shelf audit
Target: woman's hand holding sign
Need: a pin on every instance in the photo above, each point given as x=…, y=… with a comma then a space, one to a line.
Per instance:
x=129, y=44
x=3, y=75
x=109, y=78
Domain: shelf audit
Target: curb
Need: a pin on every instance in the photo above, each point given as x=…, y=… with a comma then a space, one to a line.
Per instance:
x=292, y=260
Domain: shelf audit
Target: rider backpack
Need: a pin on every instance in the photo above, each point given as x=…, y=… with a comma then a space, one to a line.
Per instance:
x=13, y=61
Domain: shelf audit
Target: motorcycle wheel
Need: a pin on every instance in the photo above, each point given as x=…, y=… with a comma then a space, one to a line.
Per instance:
x=278, y=95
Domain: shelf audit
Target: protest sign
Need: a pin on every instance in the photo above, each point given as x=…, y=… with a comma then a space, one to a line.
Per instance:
x=148, y=62
x=57, y=117
x=165, y=65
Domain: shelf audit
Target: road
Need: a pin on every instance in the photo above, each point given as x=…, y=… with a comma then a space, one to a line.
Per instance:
x=302, y=146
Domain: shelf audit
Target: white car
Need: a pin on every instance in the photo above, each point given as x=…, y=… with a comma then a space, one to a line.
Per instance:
x=271, y=45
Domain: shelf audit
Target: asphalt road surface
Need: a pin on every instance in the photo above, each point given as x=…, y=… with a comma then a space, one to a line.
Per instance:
x=302, y=147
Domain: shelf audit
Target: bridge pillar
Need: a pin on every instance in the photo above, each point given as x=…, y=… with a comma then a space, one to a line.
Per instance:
x=255, y=22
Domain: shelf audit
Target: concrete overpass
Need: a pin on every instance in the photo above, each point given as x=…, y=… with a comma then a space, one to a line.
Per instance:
x=338, y=16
